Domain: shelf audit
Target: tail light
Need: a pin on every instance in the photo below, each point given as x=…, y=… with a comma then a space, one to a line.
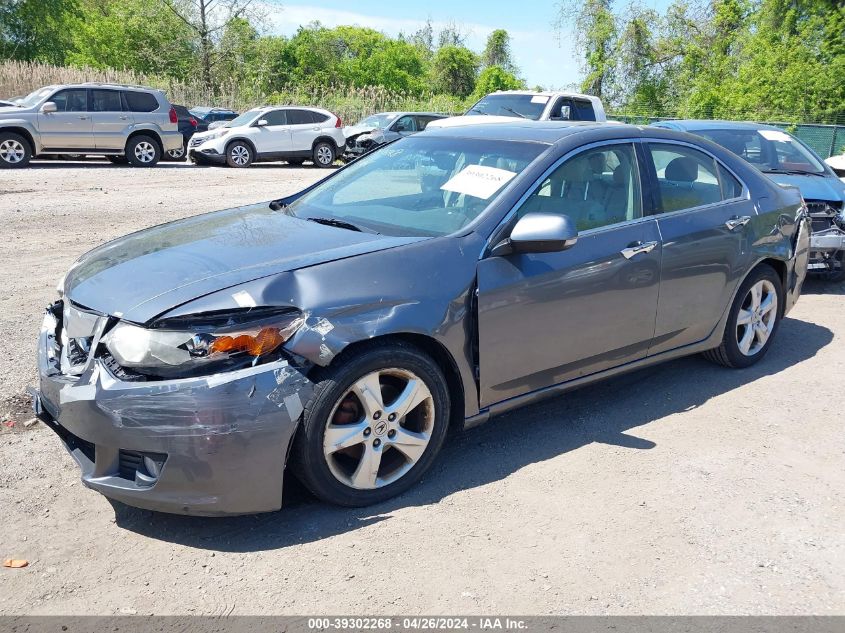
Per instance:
x=193, y=122
x=339, y=122
x=173, y=117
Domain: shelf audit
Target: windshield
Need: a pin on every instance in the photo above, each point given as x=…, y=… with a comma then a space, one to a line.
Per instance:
x=36, y=96
x=520, y=106
x=377, y=121
x=243, y=119
x=419, y=186
x=771, y=151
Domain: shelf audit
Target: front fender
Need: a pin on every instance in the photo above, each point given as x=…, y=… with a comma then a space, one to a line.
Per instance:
x=24, y=124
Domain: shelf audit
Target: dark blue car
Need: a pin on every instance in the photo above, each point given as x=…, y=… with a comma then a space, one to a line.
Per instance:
x=788, y=161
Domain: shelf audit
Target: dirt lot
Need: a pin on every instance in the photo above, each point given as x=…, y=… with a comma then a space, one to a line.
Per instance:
x=685, y=488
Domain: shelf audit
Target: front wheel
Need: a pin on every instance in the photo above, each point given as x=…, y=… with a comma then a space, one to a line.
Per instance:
x=239, y=154
x=324, y=154
x=177, y=154
x=15, y=151
x=373, y=427
x=753, y=320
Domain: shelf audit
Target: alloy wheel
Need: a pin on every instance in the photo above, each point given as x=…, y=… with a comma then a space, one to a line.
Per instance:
x=757, y=317
x=12, y=151
x=324, y=155
x=240, y=155
x=379, y=429
x=176, y=153
x=145, y=152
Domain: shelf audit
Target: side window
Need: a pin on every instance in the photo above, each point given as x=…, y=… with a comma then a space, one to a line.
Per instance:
x=73, y=100
x=686, y=177
x=405, y=124
x=731, y=187
x=140, y=101
x=298, y=117
x=562, y=110
x=584, y=110
x=316, y=117
x=423, y=121
x=106, y=101
x=598, y=187
x=275, y=117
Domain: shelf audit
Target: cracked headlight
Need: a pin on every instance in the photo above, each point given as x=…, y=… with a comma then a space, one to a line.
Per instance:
x=193, y=349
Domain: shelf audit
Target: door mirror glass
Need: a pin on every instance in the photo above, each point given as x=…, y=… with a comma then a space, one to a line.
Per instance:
x=261, y=123
x=48, y=107
x=539, y=233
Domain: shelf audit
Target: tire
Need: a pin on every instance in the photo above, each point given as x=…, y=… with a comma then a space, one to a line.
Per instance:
x=296, y=162
x=332, y=473
x=730, y=353
x=176, y=155
x=143, y=151
x=15, y=151
x=324, y=154
x=239, y=154
x=117, y=160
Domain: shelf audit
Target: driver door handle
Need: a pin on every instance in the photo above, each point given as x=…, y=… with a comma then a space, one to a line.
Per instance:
x=737, y=221
x=636, y=248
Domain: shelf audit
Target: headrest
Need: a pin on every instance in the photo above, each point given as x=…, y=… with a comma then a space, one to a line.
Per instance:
x=682, y=169
x=620, y=175
x=577, y=170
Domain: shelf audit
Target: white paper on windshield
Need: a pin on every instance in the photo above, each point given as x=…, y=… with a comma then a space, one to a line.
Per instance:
x=539, y=99
x=775, y=135
x=479, y=181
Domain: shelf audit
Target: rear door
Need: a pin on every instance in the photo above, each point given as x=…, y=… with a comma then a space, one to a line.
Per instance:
x=305, y=126
x=111, y=125
x=705, y=216
x=548, y=318
x=69, y=128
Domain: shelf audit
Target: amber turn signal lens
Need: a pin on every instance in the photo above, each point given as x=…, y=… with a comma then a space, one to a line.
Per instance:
x=267, y=339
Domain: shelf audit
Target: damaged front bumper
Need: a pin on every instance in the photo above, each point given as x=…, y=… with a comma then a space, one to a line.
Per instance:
x=212, y=445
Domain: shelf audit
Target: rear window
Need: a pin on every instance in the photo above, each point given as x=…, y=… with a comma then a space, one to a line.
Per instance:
x=140, y=101
x=584, y=110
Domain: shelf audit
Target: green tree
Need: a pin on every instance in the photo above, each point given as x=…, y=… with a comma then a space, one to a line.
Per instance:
x=454, y=70
x=36, y=30
x=497, y=51
x=495, y=78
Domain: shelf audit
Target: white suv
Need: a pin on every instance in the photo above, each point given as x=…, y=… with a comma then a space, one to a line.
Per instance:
x=290, y=133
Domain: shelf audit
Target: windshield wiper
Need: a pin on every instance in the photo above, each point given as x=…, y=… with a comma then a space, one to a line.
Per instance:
x=341, y=224
x=479, y=111
x=519, y=114
x=792, y=172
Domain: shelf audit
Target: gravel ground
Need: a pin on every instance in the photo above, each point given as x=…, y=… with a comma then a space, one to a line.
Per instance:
x=684, y=488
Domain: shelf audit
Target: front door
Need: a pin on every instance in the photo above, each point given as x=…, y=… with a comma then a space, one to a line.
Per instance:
x=705, y=217
x=111, y=125
x=273, y=138
x=69, y=128
x=549, y=318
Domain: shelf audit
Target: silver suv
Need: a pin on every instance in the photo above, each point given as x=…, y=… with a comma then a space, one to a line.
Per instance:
x=124, y=123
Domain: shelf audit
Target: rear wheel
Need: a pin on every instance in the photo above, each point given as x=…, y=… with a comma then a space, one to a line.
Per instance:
x=143, y=151
x=239, y=154
x=324, y=154
x=753, y=320
x=15, y=151
x=373, y=427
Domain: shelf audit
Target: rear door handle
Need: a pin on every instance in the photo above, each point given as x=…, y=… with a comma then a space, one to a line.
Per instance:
x=83, y=117
x=638, y=247
x=737, y=221
x=124, y=118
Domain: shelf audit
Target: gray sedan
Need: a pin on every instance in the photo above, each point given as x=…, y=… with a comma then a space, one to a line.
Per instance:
x=436, y=282
x=378, y=129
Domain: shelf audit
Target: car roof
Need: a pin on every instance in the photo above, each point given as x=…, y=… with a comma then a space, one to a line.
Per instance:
x=544, y=93
x=694, y=125
x=537, y=131
x=398, y=114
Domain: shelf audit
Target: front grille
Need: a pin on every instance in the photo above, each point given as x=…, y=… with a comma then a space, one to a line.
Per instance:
x=195, y=142
x=130, y=462
x=822, y=213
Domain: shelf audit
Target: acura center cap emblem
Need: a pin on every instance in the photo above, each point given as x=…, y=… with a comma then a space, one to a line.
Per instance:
x=380, y=428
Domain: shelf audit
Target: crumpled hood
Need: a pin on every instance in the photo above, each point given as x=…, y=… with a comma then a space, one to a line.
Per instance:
x=141, y=275
x=827, y=188
x=352, y=130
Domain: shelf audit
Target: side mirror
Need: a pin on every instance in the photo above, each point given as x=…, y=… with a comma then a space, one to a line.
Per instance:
x=48, y=106
x=539, y=233
x=261, y=123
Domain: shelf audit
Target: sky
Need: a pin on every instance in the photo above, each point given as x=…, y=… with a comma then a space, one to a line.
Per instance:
x=544, y=56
